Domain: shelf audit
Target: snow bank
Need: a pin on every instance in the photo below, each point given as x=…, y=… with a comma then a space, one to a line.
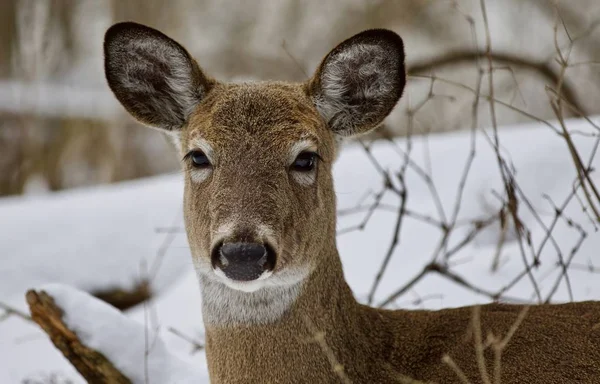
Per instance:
x=93, y=239
x=125, y=342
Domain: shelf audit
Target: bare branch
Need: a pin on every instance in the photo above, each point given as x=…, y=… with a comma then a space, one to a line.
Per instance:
x=462, y=57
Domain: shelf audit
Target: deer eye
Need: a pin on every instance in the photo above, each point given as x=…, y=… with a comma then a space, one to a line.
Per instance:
x=199, y=159
x=305, y=162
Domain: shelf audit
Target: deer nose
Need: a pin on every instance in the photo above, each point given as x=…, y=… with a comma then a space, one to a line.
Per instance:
x=243, y=261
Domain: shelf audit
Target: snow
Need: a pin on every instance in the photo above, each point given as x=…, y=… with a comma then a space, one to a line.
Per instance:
x=94, y=239
x=140, y=358
x=544, y=167
x=107, y=237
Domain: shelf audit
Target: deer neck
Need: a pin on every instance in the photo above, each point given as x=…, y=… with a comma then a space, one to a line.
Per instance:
x=251, y=333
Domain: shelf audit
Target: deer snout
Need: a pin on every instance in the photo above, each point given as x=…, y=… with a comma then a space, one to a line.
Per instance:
x=243, y=261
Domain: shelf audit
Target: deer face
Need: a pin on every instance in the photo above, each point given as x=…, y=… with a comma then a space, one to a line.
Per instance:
x=258, y=184
x=259, y=202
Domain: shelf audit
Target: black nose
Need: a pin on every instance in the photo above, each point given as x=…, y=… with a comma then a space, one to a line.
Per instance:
x=243, y=261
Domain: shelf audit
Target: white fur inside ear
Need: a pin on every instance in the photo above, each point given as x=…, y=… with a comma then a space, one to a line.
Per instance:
x=359, y=61
x=354, y=83
x=179, y=80
x=152, y=76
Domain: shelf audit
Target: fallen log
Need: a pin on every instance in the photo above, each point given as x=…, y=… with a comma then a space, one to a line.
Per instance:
x=91, y=364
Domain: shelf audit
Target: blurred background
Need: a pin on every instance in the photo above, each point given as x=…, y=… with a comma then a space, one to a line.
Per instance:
x=60, y=126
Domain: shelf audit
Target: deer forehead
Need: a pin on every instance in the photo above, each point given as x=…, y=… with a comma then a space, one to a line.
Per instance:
x=276, y=119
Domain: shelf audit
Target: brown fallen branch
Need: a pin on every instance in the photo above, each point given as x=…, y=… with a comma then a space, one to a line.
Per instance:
x=466, y=57
x=125, y=299
x=91, y=364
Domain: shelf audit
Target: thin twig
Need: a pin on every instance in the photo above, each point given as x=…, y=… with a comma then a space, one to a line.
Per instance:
x=13, y=311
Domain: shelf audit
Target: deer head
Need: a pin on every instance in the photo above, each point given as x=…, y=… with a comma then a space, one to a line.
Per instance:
x=259, y=201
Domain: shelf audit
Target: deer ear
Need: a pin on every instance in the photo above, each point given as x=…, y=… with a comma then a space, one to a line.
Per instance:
x=153, y=77
x=360, y=81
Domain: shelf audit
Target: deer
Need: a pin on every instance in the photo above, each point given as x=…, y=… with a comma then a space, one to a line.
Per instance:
x=260, y=219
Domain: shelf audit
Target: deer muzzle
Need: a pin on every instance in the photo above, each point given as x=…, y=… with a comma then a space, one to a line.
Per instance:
x=243, y=261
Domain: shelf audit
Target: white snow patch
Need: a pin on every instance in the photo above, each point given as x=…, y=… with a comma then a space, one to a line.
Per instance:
x=126, y=343
x=93, y=238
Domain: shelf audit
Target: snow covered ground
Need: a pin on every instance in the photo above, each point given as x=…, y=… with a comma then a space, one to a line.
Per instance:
x=112, y=236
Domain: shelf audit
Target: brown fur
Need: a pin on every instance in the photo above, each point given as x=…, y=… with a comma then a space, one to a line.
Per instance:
x=555, y=344
x=251, y=128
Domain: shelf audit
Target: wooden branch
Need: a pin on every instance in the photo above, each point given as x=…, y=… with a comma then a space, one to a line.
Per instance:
x=91, y=364
x=125, y=299
x=466, y=57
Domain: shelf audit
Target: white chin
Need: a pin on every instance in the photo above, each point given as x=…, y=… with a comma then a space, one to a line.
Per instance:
x=244, y=286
